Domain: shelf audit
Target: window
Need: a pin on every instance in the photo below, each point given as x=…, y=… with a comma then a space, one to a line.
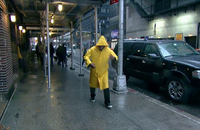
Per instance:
x=126, y=48
x=137, y=49
x=150, y=49
x=176, y=49
x=108, y=11
x=103, y=10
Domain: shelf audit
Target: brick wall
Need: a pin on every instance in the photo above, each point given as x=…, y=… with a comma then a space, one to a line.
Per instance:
x=6, y=69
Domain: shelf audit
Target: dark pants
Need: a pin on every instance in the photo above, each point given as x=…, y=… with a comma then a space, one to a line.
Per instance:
x=106, y=93
x=38, y=55
x=42, y=59
x=83, y=61
x=64, y=62
x=51, y=58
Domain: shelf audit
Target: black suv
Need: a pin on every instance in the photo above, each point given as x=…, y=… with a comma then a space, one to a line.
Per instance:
x=167, y=63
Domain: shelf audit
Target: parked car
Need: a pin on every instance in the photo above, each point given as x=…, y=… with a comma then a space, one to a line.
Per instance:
x=68, y=51
x=167, y=63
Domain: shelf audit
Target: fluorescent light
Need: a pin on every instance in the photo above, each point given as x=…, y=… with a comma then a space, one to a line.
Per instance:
x=60, y=7
x=23, y=30
x=52, y=21
x=13, y=18
x=20, y=28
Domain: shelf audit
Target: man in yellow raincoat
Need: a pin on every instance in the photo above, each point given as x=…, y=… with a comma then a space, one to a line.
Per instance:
x=97, y=58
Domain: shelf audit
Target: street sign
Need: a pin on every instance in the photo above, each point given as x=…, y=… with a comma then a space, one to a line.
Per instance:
x=113, y=2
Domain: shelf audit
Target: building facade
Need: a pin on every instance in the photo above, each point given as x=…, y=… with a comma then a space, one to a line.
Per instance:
x=168, y=19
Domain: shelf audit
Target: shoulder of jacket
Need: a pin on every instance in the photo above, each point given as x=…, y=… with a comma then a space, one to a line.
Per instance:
x=92, y=48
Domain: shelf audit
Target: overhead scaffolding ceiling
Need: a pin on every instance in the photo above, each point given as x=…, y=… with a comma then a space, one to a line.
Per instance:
x=31, y=14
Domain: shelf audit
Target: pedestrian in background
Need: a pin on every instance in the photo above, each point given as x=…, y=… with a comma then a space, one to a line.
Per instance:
x=97, y=58
x=84, y=52
x=19, y=56
x=41, y=53
x=63, y=54
x=37, y=51
x=58, y=53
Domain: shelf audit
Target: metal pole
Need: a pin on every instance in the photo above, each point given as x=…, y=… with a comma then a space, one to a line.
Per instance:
x=96, y=26
x=43, y=41
x=59, y=39
x=81, y=45
x=57, y=42
x=62, y=39
x=48, y=47
x=120, y=40
x=119, y=85
x=100, y=29
x=72, y=53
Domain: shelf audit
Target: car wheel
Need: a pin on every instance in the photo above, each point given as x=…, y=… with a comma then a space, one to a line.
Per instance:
x=177, y=90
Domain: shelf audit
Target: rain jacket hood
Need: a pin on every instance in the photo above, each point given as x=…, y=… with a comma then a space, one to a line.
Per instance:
x=102, y=42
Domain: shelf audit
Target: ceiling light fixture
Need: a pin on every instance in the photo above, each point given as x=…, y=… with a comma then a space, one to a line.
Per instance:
x=60, y=7
x=23, y=30
x=20, y=28
x=13, y=18
x=52, y=21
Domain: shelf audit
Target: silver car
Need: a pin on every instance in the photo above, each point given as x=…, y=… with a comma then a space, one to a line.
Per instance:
x=68, y=51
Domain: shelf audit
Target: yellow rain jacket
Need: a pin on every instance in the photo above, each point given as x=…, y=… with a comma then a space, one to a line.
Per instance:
x=99, y=74
x=19, y=53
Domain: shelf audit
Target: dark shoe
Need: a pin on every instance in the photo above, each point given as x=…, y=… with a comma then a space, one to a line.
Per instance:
x=109, y=106
x=92, y=99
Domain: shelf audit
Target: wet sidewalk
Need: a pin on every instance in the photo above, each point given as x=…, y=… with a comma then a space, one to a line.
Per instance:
x=66, y=106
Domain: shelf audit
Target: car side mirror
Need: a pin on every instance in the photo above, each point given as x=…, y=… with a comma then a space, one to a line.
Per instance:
x=153, y=56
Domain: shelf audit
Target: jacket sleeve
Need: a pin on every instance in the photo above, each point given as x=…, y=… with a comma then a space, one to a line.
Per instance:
x=87, y=57
x=113, y=54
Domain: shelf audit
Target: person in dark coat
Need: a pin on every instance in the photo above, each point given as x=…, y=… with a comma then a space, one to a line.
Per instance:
x=63, y=55
x=37, y=52
x=51, y=53
x=58, y=53
x=41, y=53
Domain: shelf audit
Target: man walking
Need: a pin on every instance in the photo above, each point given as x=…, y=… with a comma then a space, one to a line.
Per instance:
x=97, y=58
